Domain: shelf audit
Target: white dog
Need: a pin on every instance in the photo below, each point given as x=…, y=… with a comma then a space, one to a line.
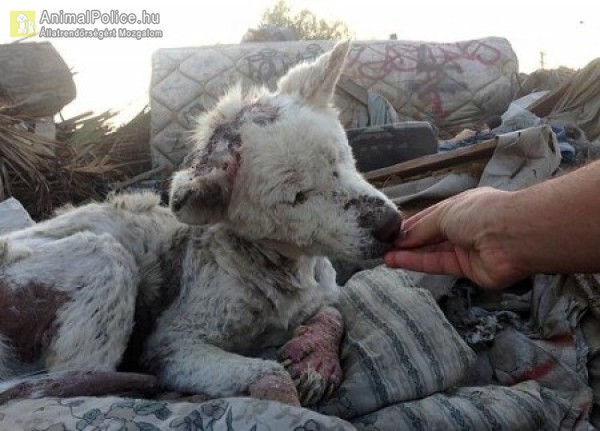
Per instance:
x=22, y=20
x=196, y=293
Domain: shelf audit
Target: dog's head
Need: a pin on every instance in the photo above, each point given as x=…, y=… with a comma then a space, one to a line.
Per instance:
x=277, y=166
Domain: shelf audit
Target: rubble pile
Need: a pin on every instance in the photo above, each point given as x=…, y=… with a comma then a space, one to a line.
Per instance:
x=44, y=163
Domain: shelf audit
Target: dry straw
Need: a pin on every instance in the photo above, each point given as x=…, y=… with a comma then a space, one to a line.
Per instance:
x=87, y=155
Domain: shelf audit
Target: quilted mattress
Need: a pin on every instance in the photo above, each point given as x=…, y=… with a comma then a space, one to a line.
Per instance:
x=450, y=84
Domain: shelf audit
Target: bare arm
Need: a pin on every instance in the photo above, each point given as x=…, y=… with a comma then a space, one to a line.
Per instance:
x=496, y=238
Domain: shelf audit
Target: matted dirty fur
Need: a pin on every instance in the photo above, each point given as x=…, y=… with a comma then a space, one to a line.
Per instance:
x=196, y=293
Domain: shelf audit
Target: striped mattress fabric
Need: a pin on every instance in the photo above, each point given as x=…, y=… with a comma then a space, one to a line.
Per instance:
x=398, y=345
x=521, y=407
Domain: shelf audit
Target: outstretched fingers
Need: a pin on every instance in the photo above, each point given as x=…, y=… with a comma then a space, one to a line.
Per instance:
x=441, y=258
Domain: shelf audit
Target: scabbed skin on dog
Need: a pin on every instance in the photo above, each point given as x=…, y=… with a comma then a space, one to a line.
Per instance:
x=196, y=293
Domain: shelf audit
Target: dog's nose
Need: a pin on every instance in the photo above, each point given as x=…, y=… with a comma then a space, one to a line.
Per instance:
x=388, y=227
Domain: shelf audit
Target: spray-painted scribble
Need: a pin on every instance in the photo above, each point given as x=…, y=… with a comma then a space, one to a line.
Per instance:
x=437, y=68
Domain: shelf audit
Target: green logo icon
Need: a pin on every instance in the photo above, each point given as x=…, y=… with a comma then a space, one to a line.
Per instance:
x=22, y=23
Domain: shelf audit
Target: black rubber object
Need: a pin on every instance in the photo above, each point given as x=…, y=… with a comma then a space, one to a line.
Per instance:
x=376, y=147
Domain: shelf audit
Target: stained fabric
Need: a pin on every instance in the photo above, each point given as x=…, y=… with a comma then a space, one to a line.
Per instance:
x=575, y=101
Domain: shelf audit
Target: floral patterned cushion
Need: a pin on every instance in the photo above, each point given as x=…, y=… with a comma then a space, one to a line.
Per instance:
x=111, y=413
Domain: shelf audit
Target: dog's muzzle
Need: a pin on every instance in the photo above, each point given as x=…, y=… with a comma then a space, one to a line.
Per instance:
x=388, y=226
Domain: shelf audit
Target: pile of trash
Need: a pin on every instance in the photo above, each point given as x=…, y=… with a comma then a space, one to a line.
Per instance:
x=45, y=163
x=569, y=101
x=536, y=345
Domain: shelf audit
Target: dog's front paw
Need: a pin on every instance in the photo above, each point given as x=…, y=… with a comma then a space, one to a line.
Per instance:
x=277, y=386
x=312, y=356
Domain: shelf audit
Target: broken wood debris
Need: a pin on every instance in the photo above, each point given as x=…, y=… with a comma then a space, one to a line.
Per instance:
x=434, y=162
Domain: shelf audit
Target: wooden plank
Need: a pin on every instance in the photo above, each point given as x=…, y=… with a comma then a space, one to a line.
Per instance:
x=544, y=106
x=435, y=162
x=354, y=90
x=141, y=177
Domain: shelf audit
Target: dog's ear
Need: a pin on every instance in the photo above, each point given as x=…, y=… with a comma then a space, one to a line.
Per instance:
x=316, y=81
x=201, y=190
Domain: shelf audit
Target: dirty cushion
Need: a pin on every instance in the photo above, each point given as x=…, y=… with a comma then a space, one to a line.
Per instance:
x=523, y=407
x=88, y=413
x=398, y=346
x=13, y=216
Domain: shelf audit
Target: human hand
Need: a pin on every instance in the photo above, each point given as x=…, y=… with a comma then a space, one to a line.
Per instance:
x=462, y=236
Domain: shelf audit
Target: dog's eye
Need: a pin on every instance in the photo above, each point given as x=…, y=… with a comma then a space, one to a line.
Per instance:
x=300, y=197
x=335, y=174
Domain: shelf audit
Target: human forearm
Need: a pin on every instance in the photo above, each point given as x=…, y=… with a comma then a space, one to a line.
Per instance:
x=554, y=226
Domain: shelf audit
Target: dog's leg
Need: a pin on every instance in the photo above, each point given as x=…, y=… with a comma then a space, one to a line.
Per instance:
x=189, y=365
x=75, y=303
x=79, y=384
x=312, y=356
x=95, y=326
